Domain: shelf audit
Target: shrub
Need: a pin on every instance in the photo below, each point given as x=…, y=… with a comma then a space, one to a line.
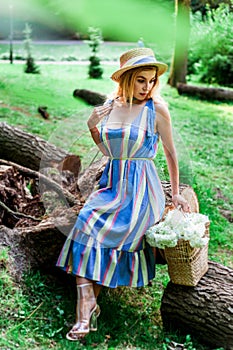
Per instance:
x=69, y=58
x=30, y=67
x=95, y=40
x=47, y=58
x=211, y=50
x=4, y=56
x=19, y=56
x=95, y=70
x=219, y=70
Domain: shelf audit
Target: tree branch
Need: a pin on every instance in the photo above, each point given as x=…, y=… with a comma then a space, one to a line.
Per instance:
x=35, y=174
x=4, y=206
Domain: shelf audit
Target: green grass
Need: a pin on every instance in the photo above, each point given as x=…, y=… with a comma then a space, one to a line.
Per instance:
x=38, y=312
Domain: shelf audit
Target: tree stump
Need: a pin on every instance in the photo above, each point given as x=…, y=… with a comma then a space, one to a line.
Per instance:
x=205, y=311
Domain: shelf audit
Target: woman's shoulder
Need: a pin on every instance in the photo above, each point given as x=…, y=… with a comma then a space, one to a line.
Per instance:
x=161, y=109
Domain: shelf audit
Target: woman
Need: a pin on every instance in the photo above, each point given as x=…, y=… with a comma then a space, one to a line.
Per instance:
x=107, y=244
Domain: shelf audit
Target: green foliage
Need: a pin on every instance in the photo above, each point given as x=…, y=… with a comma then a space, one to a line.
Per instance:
x=95, y=40
x=95, y=70
x=30, y=67
x=211, y=50
x=69, y=58
x=188, y=344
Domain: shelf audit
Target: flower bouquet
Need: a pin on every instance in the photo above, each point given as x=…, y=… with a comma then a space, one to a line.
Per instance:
x=184, y=238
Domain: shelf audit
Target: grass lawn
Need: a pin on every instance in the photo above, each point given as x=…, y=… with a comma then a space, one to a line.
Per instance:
x=38, y=313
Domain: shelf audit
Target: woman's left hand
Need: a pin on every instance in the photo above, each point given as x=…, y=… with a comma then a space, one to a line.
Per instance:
x=177, y=200
x=97, y=115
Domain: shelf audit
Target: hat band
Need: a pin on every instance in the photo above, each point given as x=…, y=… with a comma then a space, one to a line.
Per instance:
x=147, y=59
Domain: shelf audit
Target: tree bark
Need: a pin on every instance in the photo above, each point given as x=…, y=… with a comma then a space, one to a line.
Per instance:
x=29, y=150
x=205, y=93
x=205, y=311
x=178, y=68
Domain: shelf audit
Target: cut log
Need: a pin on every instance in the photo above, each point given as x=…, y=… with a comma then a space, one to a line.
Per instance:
x=91, y=97
x=29, y=150
x=205, y=93
x=204, y=311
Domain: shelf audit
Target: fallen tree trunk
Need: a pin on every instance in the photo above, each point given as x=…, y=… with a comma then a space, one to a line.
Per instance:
x=205, y=311
x=29, y=150
x=205, y=93
x=91, y=97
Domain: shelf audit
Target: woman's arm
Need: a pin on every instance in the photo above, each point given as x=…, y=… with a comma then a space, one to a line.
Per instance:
x=164, y=127
x=96, y=116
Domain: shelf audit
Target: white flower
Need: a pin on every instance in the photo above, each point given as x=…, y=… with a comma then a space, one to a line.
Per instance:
x=190, y=227
x=198, y=242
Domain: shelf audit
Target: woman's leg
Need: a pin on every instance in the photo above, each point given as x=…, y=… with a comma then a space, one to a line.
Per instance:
x=97, y=289
x=87, y=310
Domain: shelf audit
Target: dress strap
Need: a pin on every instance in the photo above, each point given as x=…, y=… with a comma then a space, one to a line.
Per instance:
x=151, y=115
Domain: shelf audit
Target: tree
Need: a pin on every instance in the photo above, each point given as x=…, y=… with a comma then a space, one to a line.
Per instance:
x=95, y=40
x=30, y=67
x=178, y=69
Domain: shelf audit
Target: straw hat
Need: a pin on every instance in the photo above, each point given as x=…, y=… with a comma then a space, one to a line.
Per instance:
x=138, y=57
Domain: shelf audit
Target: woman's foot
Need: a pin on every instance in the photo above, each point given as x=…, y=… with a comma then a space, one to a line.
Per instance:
x=86, y=313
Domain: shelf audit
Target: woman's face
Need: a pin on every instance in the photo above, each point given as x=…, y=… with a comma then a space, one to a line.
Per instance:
x=144, y=82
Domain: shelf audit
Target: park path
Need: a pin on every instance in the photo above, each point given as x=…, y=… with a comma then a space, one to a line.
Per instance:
x=78, y=62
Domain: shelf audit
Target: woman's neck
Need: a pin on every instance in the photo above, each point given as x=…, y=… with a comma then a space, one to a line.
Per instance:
x=135, y=101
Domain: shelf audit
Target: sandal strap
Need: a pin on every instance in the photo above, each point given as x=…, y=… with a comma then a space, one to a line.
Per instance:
x=83, y=285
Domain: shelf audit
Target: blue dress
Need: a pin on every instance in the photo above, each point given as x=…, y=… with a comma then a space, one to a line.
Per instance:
x=107, y=243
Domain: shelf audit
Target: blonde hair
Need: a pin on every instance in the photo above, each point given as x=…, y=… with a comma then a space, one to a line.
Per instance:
x=126, y=85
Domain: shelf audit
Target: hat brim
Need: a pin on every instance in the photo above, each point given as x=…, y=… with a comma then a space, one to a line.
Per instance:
x=162, y=68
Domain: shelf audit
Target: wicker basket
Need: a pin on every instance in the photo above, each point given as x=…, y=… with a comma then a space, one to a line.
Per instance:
x=187, y=265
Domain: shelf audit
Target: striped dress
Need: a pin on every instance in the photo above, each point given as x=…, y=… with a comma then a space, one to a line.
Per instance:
x=107, y=242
